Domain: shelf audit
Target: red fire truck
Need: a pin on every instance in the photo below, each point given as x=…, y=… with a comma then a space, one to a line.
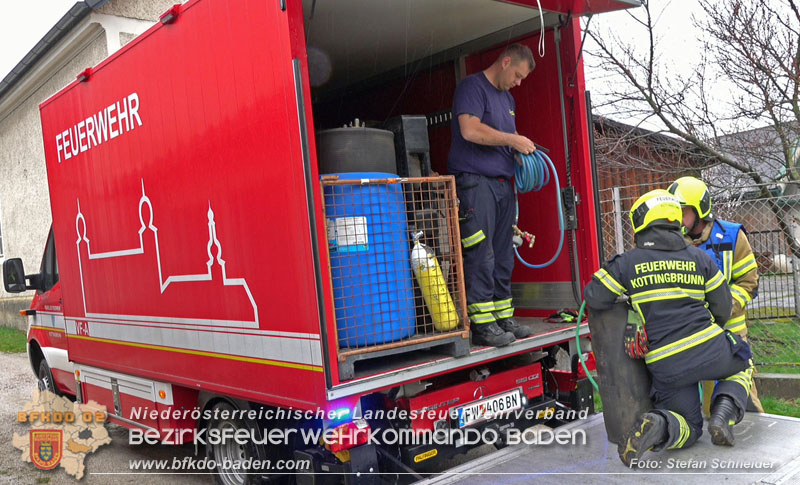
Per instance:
x=206, y=261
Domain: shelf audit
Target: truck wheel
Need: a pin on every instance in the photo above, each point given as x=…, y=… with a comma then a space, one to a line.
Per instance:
x=226, y=452
x=46, y=378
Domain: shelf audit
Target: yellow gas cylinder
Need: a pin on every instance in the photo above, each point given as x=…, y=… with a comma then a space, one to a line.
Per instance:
x=433, y=286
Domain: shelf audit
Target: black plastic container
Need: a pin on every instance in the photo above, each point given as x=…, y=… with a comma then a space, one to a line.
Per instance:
x=356, y=149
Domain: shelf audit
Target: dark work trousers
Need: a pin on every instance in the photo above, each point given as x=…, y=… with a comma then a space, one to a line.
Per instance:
x=486, y=214
x=678, y=399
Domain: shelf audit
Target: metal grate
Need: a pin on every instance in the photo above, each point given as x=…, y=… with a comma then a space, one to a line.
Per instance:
x=379, y=301
x=776, y=285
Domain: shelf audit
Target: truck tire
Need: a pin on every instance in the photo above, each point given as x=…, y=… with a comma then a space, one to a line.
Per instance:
x=230, y=451
x=45, y=376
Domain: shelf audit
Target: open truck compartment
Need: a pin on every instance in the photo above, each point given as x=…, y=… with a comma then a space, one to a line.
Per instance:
x=404, y=64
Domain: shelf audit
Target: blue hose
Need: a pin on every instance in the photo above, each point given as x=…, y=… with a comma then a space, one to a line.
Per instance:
x=532, y=175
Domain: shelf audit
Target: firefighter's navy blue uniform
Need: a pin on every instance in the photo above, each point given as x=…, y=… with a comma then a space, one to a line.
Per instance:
x=486, y=207
x=684, y=302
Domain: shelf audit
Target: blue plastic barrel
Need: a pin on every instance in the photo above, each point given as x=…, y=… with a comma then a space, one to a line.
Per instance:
x=368, y=242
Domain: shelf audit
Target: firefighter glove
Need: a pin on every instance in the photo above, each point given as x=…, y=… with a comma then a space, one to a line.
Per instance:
x=635, y=337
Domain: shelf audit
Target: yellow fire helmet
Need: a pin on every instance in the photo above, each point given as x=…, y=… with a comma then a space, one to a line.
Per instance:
x=692, y=192
x=655, y=206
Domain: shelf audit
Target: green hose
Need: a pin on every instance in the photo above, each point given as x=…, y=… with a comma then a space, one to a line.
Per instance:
x=578, y=345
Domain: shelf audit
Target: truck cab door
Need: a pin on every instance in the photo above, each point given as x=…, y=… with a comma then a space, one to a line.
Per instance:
x=46, y=325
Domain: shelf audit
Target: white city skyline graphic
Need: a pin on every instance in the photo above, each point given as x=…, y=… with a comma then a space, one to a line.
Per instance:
x=213, y=241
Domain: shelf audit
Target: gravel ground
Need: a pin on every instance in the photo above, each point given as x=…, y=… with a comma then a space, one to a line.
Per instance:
x=16, y=385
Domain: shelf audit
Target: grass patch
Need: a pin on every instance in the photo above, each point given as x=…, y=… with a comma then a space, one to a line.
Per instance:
x=778, y=369
x=43, y=480
x=783, y=407
x=12, y=341
x=775, y=341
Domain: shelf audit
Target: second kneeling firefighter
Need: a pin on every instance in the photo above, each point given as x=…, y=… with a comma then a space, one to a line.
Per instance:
x=683, y=302
x=727, y=244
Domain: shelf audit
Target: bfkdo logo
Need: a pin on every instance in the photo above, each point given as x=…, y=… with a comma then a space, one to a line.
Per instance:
x=61, y=434
x=46, y=447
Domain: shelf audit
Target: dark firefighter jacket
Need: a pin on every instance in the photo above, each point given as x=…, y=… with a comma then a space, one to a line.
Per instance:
x=679, y=293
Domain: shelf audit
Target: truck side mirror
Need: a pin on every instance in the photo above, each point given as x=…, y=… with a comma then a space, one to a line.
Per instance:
x=14, y=275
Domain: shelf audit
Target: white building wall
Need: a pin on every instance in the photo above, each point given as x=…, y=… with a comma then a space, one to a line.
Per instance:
x=24, y=201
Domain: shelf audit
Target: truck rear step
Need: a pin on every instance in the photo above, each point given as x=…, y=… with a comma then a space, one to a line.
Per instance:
x=392, y=369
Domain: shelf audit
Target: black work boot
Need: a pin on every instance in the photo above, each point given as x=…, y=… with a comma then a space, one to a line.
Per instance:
x=723, y=416
x=490, y=334
x=649, y=430
x=511, y=325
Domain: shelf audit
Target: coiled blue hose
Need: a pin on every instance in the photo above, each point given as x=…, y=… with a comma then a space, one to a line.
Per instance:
x=532, y=175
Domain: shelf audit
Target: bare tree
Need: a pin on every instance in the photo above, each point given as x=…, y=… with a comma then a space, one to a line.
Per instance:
x=751, y=52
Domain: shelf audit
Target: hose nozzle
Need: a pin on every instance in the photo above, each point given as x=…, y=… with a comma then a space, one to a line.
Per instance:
x=519, y=236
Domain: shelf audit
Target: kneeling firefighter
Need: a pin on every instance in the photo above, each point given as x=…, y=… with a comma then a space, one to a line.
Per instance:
x=683, y=302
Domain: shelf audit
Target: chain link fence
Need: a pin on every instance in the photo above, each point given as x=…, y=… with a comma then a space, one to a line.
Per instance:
x=774, y=315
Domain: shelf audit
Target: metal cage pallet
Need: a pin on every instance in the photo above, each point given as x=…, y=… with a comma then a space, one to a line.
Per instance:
x=395, y=254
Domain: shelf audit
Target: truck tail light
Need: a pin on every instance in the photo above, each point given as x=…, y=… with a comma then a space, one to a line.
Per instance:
x=591, y=364
x=347, y=435
x=170, y=15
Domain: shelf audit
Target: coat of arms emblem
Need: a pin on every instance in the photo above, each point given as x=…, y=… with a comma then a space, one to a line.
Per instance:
x=46, y=447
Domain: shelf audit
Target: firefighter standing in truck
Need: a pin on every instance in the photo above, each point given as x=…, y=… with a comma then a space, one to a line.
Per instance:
x=727, y=244
x=482, y=157
x=683, y=302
